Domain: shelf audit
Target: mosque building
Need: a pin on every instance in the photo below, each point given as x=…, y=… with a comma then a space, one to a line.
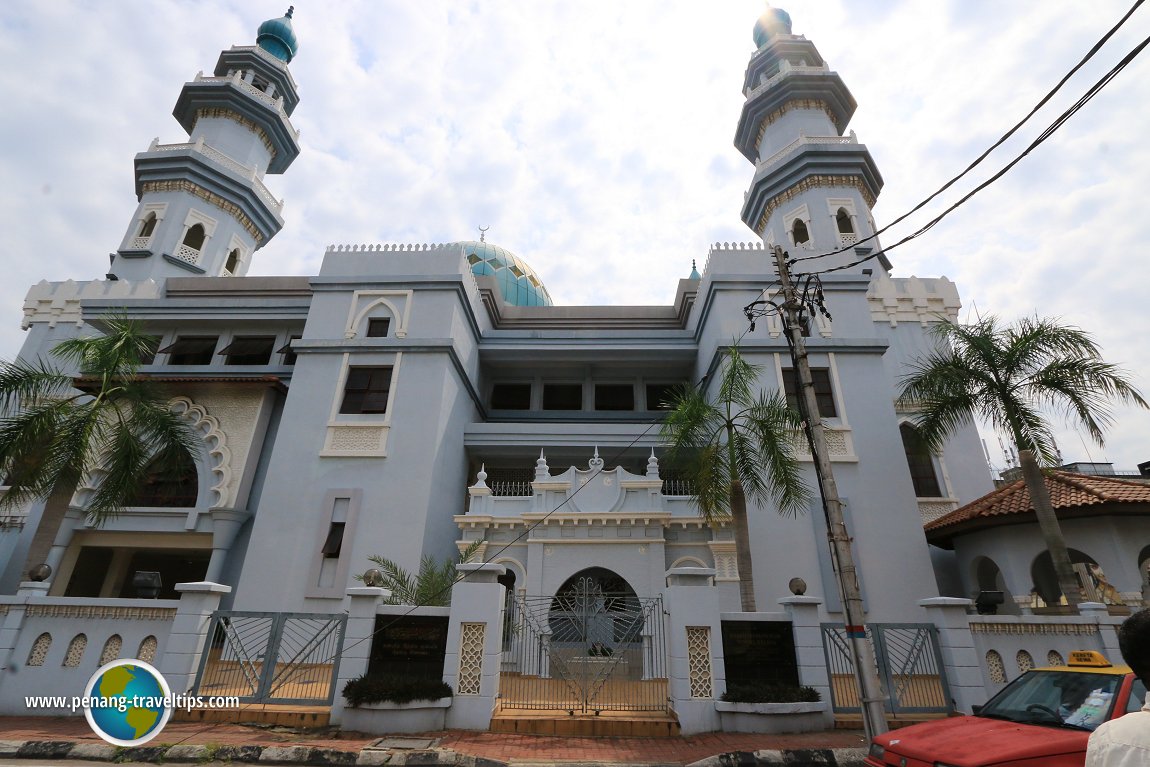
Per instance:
x=412, y=399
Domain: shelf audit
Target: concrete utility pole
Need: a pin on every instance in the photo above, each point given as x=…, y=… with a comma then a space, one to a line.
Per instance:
x=866, y=676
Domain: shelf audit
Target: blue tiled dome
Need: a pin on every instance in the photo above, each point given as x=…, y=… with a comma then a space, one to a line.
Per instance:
x=775, y=21
x=277, y=37
x=517, y=281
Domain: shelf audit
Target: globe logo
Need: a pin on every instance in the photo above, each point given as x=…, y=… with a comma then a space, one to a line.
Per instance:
x=127, y=702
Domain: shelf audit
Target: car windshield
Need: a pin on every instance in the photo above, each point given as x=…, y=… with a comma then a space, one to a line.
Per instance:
x=1072, y=699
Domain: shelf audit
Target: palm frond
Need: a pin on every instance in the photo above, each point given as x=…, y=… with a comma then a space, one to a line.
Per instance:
x=1005, y=375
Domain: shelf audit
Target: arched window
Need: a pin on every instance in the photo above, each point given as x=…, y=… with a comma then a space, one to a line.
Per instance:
x=195, y=236
x=920, y=462
x=233, y=262
x=148, y=225
x=799, y=232
x=169, y=484
x=843, y=219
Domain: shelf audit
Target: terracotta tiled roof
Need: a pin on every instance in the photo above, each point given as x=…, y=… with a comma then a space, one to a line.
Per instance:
x=1067, y=491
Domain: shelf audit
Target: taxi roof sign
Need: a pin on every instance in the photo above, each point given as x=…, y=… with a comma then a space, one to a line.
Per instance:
x=1091, y=658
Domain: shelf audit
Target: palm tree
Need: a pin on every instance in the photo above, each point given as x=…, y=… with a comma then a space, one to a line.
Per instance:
x=56, y=430
x=739, y=445
x=1006, y=376
x=431, y=585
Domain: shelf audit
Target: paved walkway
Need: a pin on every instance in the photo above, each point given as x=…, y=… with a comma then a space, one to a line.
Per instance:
x=332, y=746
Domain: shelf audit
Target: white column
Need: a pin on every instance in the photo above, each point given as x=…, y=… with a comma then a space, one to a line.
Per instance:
x=476, y=608
x=809, y=654
x=693, y=603
x=181, y=658
x=357, y=639
x=961, y=664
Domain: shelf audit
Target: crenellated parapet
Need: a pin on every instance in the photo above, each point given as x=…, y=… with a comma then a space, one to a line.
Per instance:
x=56, y=302
x=913, y=299
x=392, y=247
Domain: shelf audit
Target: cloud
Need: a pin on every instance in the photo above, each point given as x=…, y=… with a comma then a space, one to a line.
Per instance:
x=595, y=139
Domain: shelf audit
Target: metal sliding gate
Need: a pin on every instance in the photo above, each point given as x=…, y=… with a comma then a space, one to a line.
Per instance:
x=585, y=651
x=272, y=657
x=909, y=665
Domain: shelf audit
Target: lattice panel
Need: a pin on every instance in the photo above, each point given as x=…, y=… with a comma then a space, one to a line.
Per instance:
x=996, y=667
x=1054, y=659
x=699, y=661
x=111, y=649
x=356, y=440
x=39, y=650
x=147, y=651
x=75, y=652
x=188, y=254
x=471, y=658
x=1024, y=661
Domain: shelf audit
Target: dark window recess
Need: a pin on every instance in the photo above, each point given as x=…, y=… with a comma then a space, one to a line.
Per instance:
x=843, y=219
x=562, y=396
x=173, y=565
x=88, y=573
x=377, y=327
x=249, y=350
x=920, y=462
x=148, y=226
x=191, y=350
x=195, y=236
x=824, y=395
x=333, y=544
x=172, y=484
x=233, y=262
x=287, y=352
x=511, y=397
x=614, y=397
x=366, y=390
x=799, y=232
x=661, y=396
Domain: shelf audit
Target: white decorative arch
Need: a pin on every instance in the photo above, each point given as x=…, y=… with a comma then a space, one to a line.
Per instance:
x=515, y=566
x=688, y=562
x=219, y=457
x=380, y=298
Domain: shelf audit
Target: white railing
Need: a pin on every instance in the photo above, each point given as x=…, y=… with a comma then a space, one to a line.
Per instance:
x=141, y=243
x=850, y=138
x=846, y=239
x=275, y=102
x=247, y=171
x=188, y=254
x=786, y=68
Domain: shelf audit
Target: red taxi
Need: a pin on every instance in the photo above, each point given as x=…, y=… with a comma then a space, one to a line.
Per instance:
x=1041, y=719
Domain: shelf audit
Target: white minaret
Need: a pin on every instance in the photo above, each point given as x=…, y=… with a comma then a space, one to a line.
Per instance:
x=204, y=208
x=813, y=187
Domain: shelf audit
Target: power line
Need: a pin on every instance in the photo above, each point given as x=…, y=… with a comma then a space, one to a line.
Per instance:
x=1041, y=103
x=1050, y=130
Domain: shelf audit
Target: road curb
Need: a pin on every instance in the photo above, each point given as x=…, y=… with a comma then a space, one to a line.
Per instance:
x=377, y=757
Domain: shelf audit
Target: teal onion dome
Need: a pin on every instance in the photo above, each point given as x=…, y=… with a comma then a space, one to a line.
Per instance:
x=277, y=37
x=518, y=282
x=775, y=21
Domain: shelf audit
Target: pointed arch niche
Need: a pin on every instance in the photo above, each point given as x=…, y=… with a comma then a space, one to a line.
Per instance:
x=368, y=305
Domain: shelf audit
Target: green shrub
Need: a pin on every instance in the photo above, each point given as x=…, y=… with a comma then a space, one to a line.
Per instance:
x=769, y=693
x=393, y=689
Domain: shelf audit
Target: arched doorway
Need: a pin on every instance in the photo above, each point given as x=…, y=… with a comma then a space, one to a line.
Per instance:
x=987, y=581
x=592, y=646
x=1096, y=586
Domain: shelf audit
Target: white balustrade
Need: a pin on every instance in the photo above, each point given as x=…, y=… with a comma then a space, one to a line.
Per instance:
x=188, y=254
x=247, y=171
x=777, y=157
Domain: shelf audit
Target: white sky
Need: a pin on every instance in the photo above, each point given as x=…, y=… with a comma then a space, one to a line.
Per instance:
x=594, y=138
